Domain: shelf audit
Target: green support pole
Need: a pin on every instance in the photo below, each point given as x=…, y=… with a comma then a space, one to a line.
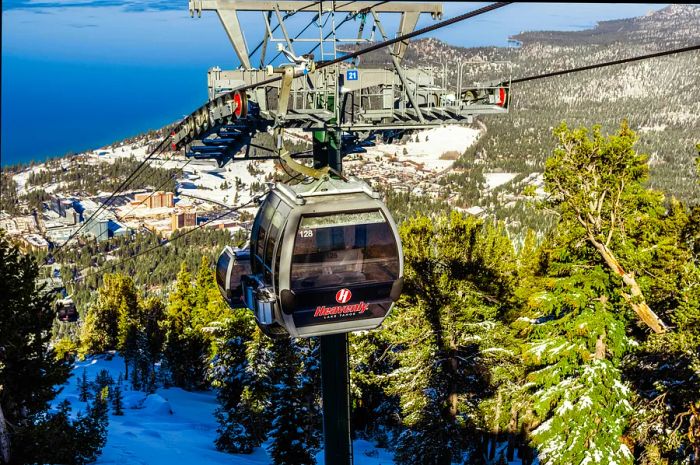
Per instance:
x=335, y=372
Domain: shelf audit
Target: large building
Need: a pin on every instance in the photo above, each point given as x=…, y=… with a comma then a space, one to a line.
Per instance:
x=98, y=228
x=183, y=219
x=59, y=235
x=36, y=242
x=156, y=200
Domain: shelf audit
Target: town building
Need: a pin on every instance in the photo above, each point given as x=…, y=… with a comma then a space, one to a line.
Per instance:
x=59, y=235
x=35, y=242
x=183, y=219
x=158, y=199
x=98, y=228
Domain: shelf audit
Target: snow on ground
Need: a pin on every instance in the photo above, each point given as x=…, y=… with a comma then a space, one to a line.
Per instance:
x=493, y=180
x=22, y=178
x=173, y=426
x=431, y=144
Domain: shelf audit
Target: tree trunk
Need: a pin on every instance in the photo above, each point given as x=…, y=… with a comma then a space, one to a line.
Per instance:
x=4, y=439
x=525, y=451
x=496, y=429
x=600, y=347
x=635, y=299
x=494, y=446
x=510, y=452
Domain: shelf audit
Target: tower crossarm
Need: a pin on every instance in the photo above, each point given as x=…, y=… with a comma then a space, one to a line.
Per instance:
x=228, y=10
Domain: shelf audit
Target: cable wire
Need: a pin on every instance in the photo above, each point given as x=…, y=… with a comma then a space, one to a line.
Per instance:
x=189, y=231
x=417, y=32
x=106, y=267
x=159, y=148
x=606, y=64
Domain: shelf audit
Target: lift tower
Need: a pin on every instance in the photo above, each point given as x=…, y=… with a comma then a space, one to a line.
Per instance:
x=345, y=106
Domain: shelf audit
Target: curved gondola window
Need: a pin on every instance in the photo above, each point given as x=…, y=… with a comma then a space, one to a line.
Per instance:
x=273, y=235
x=344, y=249
x=263, y=227
x=222, y=270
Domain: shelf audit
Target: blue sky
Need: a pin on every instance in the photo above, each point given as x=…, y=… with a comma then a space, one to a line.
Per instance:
x=78, y=74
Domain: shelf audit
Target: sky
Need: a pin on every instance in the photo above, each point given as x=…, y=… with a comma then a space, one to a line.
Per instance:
x=79, y=74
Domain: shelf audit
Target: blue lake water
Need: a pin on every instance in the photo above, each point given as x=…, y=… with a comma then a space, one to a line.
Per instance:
x=81, y=74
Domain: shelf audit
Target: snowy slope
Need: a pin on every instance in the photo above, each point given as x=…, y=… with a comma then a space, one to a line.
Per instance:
x=173, y=426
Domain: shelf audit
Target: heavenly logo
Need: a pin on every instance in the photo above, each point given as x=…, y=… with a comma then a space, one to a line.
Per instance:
x=343, y=296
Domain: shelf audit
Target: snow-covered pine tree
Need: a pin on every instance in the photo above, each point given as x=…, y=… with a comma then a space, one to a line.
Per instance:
x=579, y=405
x=610, y=264
x=290, y=425
x=309, y=386
x=446, y=334
x=229, y=372
x=255, y=400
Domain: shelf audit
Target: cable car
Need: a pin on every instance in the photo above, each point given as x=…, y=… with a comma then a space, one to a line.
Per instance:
x=66, y=310
x=324, y=258
x=63, y=305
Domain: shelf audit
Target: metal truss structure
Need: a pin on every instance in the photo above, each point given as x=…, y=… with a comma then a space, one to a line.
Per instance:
x=355, y=100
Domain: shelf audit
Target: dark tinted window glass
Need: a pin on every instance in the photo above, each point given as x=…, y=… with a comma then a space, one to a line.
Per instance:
x=282, y=213
x=222, y=268
x=272, y=238
x=264, y=227
x=344, y=249
x=239, y=269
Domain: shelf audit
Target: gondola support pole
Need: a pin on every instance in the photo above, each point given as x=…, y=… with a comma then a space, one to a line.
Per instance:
x=335, y=372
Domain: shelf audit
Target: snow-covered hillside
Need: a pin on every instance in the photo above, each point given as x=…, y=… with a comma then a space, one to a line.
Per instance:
x=173, y=426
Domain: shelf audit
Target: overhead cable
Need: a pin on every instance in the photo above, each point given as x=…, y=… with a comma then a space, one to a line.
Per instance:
x=607, y=63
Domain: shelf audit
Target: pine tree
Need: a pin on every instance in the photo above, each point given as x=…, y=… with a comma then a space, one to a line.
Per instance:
x=256, y=398
x=374, y=412
x=100, y=332
x=458, y=280
x=230, y=373
x=153, y=330
x=613, y=235
x=84, y=387
x=129, y=324
x=665, y=369
x=102, y=380
x=91, y=429
x=209, y=307
x=28, y=367
x=189, y=327
x=289, y=439
x=186, y=348
x=597, y=186
x=117, y=401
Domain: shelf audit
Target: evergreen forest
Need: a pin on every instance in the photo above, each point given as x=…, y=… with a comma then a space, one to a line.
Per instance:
x=577, y=346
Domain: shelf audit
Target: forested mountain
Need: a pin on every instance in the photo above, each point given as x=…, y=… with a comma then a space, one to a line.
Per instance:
x=660, y=98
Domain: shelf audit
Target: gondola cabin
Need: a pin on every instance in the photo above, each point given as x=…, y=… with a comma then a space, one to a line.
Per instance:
x=324, y=258
x=66, y=310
